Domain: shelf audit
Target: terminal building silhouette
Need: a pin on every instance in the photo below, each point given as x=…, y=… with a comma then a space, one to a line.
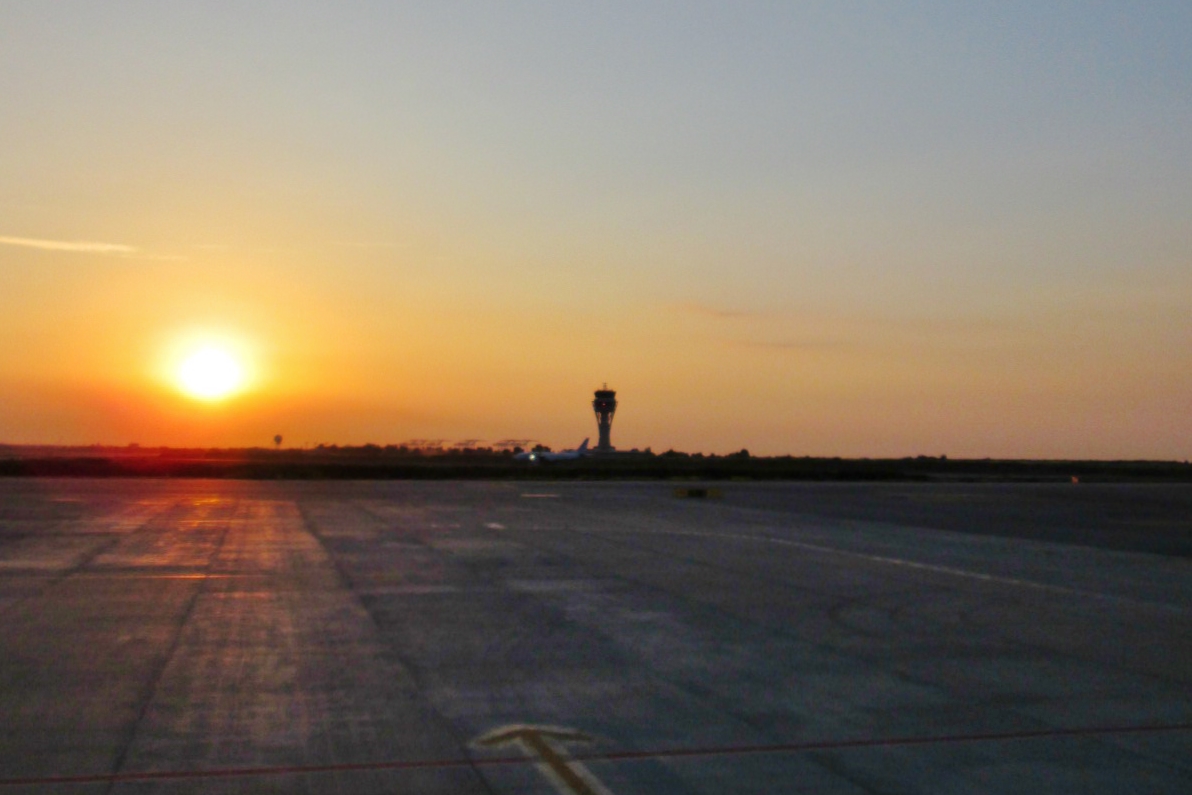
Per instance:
x=605, y=406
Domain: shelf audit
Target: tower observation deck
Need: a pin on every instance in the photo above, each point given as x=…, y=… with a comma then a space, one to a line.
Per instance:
x=605, y=406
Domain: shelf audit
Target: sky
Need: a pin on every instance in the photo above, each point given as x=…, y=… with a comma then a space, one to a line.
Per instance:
x=833, y=228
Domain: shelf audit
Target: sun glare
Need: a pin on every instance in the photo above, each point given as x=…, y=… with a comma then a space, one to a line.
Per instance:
x=210, y=374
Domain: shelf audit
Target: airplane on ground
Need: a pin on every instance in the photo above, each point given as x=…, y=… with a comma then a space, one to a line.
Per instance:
x=535, y=457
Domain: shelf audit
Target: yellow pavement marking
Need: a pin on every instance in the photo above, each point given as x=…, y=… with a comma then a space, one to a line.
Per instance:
x=545, y=744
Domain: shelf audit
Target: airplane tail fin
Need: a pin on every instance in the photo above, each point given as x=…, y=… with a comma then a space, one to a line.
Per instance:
x=583, y=447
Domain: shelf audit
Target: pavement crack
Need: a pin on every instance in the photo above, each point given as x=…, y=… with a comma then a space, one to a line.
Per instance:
x=408, y=667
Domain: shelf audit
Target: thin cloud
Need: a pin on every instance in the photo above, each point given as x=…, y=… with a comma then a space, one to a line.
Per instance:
x=704, y=310
x=159, y=257
x=790, y=345
x=75, y=246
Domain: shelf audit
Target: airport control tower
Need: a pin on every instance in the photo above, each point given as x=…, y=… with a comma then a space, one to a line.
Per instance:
x=605, y=406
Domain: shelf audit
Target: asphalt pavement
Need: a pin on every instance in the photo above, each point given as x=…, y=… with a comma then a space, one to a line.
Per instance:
x=540, y=637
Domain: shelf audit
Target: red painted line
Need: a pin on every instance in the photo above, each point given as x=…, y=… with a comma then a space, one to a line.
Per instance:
x=245, y=772
x=614, y=756
x=830, y=745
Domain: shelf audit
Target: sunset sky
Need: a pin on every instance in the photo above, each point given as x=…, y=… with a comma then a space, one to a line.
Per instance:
x=856, y=229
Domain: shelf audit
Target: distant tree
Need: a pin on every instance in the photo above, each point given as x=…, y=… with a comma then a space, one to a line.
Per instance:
x=277, y=441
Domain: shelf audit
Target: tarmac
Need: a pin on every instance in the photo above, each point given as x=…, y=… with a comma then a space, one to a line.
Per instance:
x=173, y=636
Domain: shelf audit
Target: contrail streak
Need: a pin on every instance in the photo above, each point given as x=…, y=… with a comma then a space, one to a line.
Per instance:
x=78, y=246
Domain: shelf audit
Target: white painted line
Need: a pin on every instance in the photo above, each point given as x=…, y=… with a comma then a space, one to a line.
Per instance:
x=415, y=589
x=914, y=564
x=494, y=525
x=540, y=496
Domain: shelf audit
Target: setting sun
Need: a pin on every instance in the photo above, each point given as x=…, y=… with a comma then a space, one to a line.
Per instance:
x=210, y=374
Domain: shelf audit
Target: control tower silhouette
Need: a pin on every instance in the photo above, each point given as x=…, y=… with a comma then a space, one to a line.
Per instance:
x=605, y=406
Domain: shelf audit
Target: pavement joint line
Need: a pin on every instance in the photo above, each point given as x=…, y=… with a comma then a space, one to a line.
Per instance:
x=159, y=670
x=101, y=575
x=612, y=756
x=914, y=564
